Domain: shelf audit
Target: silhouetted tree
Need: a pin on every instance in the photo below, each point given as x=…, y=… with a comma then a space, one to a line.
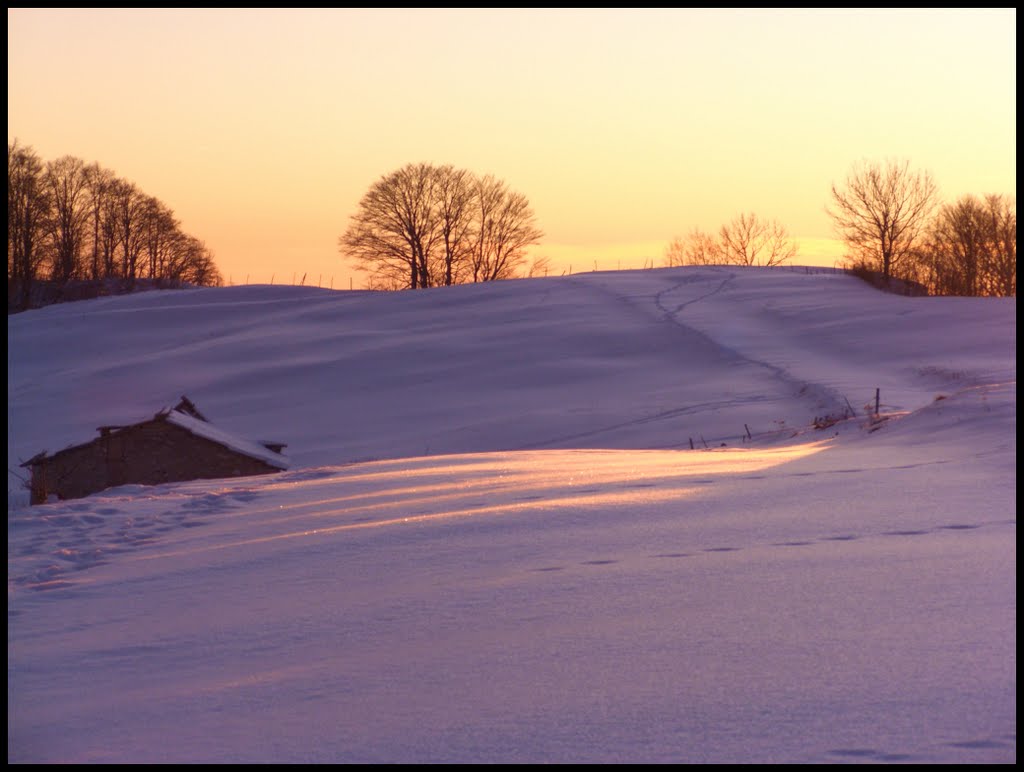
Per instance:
x=424, y=225
x=749, y=240
x=696, y=248
x=160, y=236
x=881, y=212
x=675, y=252
x=110, y=229
x=98, y=182
x=453, y=194
x=971, y=248
x=130, y=206
x=28, y=207
x=68, y=220
x=66, y=226
x=394, y=226
x=1002, y=267
x=195, y=263
x=505, y=226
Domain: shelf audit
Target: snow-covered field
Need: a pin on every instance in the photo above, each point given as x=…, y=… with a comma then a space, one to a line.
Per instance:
x=494, y=542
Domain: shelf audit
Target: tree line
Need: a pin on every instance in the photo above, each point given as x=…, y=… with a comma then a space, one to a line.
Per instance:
x=746, y=240
x=892, y=220
x=893, y=224
x=69, y=220
x=426, y=226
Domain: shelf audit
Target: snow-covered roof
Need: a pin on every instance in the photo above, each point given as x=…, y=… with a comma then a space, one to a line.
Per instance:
x=210, y=432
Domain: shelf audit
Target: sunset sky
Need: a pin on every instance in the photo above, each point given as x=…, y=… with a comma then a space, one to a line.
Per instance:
x=262, y=128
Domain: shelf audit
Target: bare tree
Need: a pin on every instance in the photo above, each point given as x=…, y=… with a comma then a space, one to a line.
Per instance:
x=505, y=227
x=952, y=256
x=696, y=248
x=160, y=233
x=66, y=226
x=130, y=206
x=394, y=227
x=1001, y=269
x=98, y=182
x=196, y=263
x=424, y=225
x=971, y=248
x=453, y=205
x=487, y=199
x=110, y=229
x=28, y=207
x=81, y=221
x=675, y=252
x=881, y=213
x=749, y=240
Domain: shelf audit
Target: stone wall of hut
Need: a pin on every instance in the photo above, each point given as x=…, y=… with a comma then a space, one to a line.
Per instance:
x=149, y=453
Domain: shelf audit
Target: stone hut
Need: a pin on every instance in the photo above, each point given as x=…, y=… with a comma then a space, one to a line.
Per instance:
x=175, y=445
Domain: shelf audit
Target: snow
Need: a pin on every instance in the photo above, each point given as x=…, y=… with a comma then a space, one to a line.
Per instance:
x=495, y=544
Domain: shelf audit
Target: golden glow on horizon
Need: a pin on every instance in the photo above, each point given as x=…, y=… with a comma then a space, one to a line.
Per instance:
x=262, y=128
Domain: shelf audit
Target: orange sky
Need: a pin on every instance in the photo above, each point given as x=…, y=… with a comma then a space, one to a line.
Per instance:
x=262, y=128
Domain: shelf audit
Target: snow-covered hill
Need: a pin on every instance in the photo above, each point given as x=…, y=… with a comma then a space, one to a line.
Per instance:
x=495, y=543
